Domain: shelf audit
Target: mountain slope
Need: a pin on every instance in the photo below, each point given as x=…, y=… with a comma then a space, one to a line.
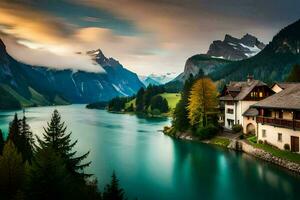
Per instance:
x=273, y=63
x=232, y=48
x=201, y=61
x=43, y=86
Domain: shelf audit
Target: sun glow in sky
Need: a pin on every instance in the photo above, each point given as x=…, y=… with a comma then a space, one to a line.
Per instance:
x=146, y=36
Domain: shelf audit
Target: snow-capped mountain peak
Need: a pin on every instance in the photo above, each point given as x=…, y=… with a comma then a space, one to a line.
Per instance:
x=156, y=79
x=232, y=48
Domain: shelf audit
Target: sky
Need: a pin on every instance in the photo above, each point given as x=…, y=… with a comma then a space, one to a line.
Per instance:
x=146, y=36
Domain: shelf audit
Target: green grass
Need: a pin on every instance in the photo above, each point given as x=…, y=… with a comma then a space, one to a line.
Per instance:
x=24, y=102
x=252, y=139
x=130, y=102
x=224, y=142
x=172, y=99
x=287, y=155
x=36, y=98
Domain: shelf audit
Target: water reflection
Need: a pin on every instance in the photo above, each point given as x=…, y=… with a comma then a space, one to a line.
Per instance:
x=153, y=166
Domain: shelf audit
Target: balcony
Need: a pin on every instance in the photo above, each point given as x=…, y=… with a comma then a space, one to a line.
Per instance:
x=292, y=124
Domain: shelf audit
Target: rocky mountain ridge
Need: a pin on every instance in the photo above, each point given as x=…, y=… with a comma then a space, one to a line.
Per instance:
x=232, y=48
x=28, y=83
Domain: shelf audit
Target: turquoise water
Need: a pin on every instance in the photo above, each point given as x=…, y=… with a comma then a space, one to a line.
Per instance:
x=153, y=166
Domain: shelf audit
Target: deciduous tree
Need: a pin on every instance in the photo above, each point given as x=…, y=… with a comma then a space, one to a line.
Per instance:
x=202, y=101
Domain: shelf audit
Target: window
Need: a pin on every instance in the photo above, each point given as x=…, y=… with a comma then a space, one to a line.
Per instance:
x=267, y=113
x=261, y=94
x=280, y=114
x=264, y=133
x=297, y=115
x=248, y=118
x=229, y=110
x=252, y=118
x=279, y=137
x=230, y=122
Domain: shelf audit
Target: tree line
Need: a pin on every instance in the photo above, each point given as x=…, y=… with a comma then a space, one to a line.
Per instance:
x=197, y=109
x=146, y=100
x=37, y=168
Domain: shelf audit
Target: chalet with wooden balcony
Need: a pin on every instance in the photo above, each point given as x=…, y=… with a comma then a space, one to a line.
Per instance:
x=278, y=117
x=237, y=98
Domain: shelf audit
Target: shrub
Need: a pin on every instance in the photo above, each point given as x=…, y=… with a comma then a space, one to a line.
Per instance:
x=155, y=112
x=166, y=129
x=286, y=147
x=260, y=142
x=237, y=128
x=206, y=132
x=242, y=136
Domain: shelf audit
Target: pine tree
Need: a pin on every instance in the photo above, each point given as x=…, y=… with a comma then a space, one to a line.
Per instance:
x=55, y=137
x=48, y=177
x=180, y=117
x=165, y=106
x=26, y=140
x=113, y=191
x=294, y=75
x=14, y=130
x=12, y=171
x=140, y=100
x=1, y=142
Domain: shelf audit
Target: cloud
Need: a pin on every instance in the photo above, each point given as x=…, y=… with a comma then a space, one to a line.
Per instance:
x=147, y=36
x=41, y=57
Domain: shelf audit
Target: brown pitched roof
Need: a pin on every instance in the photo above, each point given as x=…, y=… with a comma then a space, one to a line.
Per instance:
x=243, y=89
x=251, y=112
x=286, y=99
x=228, y=97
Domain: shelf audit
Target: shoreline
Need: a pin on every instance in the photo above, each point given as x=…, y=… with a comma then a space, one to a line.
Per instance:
x=242, y=145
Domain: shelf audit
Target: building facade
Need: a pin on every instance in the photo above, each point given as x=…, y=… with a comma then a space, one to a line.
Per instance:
x=278, y=119
x=237, y=98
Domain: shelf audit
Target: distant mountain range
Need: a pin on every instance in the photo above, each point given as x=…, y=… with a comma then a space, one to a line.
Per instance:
x=234, y=59
x=157, y=79
x=26, y=85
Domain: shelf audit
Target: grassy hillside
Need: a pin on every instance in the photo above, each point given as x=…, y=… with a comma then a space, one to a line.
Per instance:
x=10, y=99
x=172, y=99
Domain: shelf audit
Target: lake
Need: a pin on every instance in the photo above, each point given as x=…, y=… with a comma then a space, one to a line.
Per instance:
x=151, y=165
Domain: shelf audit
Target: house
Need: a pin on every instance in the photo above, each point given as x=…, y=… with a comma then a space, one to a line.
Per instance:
x=278, y=119
x=237, y=98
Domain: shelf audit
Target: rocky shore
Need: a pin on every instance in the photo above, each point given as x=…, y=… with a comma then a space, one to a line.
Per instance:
x=259, y=153
x=244, y=146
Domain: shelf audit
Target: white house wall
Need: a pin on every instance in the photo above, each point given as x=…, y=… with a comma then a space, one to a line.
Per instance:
x=272, y=135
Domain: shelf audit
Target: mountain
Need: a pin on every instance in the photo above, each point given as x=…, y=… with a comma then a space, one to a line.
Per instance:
x=31, y=85
x=163, y=78
x=201, y=61
x=155, y=79
x=147, y=80
x=232, y=48
x=220, y=54
x=273, y=63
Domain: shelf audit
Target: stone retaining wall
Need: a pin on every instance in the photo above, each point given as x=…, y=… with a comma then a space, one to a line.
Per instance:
x=247, y=148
